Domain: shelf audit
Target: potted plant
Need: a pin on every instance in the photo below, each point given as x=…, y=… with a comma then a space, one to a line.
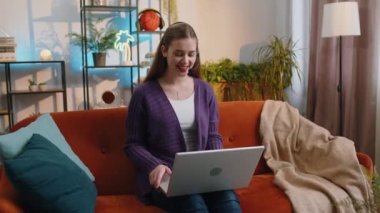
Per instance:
x=42, y=86
x=32, y=85
x=231, y=80
x=98, y=41
x=277, y=60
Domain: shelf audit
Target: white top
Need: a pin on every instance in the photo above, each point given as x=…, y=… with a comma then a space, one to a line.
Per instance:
x=185, y=111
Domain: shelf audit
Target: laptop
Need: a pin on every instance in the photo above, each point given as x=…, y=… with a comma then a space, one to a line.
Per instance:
x=211, y=170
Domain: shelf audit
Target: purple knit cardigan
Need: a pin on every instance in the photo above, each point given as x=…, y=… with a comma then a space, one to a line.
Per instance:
x=154, y=134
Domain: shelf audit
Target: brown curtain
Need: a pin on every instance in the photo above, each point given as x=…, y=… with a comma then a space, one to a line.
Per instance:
x=359, y=78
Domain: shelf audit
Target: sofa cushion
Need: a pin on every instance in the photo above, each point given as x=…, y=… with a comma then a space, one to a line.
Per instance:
x=45, y=126
x=263, y=196
x=122, y=203
x=48, y=180
x=12, y=144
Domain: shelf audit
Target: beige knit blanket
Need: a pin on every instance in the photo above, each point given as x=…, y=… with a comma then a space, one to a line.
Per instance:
x=317, y=171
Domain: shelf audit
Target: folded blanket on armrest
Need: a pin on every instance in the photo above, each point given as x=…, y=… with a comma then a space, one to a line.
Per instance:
x=317, y=171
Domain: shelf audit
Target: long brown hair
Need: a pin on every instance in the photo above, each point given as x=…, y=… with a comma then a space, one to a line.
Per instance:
x=178, y=30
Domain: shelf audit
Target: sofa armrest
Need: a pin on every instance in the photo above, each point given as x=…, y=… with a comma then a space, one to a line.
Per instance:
x=7, y=205
x=8, y=196
x=366, y=161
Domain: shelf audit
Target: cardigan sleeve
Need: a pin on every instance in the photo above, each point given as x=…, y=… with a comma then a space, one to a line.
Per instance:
x=136, y=145
x=214, y=140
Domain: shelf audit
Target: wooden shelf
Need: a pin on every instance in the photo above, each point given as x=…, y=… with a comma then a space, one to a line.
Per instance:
x=108, y=8
x=29, y=62
x=130, y=14
x=3, y=112
x=48, y=91
x=112, y=66
x=149, y=32
x=12, y=92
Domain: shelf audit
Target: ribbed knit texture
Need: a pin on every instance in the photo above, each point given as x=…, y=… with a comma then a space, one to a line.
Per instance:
x=154, y=134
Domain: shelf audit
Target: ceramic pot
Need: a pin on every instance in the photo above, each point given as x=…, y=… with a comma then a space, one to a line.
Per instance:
x=33, y=88
x=99, y=59
x=42, y=87
x=99, y=2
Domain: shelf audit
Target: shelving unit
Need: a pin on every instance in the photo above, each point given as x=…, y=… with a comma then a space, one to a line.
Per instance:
x=93, y=10
x=131, y=11
x=11, y=92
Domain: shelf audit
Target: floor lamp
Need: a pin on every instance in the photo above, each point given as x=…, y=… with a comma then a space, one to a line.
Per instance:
x=340, y=19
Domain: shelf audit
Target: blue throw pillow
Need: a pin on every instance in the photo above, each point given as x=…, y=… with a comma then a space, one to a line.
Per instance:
x=48, y=180
x=45, y=126
x=12, y=144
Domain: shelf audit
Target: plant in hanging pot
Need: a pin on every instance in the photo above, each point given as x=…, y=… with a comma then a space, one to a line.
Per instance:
x=98, y=41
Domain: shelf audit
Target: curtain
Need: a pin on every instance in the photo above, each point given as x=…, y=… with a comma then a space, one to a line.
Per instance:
x=359, y=78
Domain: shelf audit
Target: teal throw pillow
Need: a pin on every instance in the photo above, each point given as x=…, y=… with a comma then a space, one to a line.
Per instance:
x=12, y=144
x=45, y=126
x=48, y=180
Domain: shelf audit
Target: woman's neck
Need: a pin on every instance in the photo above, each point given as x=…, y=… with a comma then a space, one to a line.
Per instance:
x=174, y=80
x=178, y=88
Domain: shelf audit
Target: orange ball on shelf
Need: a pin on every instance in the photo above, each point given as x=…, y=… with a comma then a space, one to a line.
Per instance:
x=150, y=20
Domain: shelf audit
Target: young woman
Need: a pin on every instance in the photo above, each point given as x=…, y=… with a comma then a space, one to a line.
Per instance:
x=174, y=111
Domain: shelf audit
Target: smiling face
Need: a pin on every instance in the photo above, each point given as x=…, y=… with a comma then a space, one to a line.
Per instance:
x=181, y=56
x=177, y=54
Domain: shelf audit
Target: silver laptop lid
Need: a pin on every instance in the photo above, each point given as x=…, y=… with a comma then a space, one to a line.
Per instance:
x=212, y=170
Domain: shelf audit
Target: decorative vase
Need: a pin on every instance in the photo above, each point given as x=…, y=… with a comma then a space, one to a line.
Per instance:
x=98, y=2
x=46, y=55
x=42, y=87
x=123, y=3
x=33, y=88
x=99, y=59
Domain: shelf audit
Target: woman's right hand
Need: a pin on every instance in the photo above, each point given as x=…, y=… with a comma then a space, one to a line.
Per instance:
x=155, y=176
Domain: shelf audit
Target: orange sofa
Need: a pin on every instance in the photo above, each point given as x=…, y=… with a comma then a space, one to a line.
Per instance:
x=98, y=137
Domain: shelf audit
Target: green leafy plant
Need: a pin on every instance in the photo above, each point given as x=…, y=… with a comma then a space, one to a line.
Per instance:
x=31, y=82
x=98, y=40
x=266, y=79
x=234, y=81
x=277, y=61
x=376, y=190
x=42, y=86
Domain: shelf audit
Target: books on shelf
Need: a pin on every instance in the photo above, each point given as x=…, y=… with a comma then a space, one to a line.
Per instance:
x=7, y=47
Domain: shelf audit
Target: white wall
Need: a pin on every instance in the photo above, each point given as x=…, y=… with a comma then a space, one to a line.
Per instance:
x=226, y=28
x=233, y=29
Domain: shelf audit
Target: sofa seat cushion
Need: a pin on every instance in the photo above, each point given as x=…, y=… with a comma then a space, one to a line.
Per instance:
x=122, y=203
x=263, y=196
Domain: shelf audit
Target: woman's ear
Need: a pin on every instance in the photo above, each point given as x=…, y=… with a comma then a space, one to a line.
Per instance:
x=164, y=51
